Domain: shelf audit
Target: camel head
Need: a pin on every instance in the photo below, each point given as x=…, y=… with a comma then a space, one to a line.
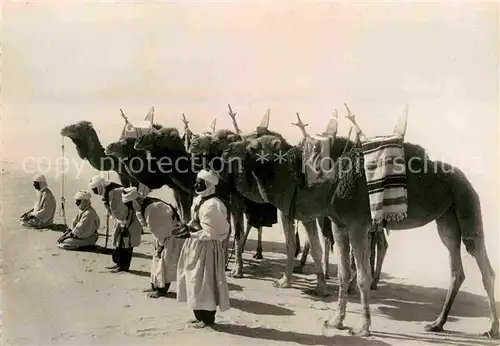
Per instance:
x=122, y=149
x=78, y=131
x=215, y=142
x=235, y=150
x=168, y=139
x=266, y=145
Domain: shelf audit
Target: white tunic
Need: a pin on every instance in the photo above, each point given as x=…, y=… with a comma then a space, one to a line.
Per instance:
x=45, y=208
x=85, y=227
x=159, y=219
x=120, y=211
x=201, y=275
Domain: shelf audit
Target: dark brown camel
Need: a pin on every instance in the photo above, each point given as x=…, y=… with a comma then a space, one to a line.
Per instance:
x=261, y=130
x=154, y=172
x=437, y=192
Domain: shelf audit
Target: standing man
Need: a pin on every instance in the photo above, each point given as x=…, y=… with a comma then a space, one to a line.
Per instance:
x=127, y=231
x=161, y=218
x=201, y=276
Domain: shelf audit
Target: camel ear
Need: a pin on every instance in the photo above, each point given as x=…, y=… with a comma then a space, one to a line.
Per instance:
x=232, y=137
x=275, y=144
x=252, y=147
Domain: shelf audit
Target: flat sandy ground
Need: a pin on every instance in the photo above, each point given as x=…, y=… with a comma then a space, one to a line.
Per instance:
x=52, y=296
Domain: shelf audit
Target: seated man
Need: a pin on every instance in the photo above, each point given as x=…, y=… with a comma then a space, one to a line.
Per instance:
x=83, y=232
x=42, y=214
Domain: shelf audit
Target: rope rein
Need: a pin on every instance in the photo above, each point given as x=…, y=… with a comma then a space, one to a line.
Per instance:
x=62, y=210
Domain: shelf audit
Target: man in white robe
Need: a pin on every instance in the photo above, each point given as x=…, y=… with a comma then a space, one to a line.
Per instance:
x=201, y=276
x=127, y=230
x=44, y=209
x=83, y=232
x=161, y=218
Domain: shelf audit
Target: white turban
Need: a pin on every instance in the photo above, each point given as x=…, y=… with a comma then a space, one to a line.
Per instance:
x=40, y=179
x=129, y=194
x=83, y=195
x=98, y=181
x=208, y=176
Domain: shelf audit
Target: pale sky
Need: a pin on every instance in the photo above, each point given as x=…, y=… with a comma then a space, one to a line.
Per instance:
x=63, y=63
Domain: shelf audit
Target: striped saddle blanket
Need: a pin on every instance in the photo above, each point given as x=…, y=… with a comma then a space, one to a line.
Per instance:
x=316, y=163
x=385, y=171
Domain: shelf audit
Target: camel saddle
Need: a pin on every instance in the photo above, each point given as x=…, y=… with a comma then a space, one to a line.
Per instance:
x=317, y=166
x=385, y=172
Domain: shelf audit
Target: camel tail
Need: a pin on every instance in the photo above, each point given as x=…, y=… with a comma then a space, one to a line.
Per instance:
x=467, y=207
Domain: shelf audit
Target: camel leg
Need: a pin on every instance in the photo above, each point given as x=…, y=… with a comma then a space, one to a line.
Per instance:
x=247, y=233
x=183, y=201
x=352, y=279
x=449, y=232
x=488, y=276
x=258, y=253
x=286, y=280
x=342, y=247
x=360, y=245
x=382, y=246
x=237, y=223
x=315, y=247
x=326, y=258
x=303, y=259
x=373, y=249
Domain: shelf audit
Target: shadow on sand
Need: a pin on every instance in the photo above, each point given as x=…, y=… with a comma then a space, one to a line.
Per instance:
x=57, y=227
x=396, y=301
x=288, y=336
x=447, y=338
x=260, y=308
x=140, y=273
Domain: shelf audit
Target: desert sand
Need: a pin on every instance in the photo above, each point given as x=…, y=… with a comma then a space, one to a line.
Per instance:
x=62, y=297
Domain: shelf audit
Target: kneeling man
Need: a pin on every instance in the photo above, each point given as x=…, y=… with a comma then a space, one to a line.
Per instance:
x=83, y=232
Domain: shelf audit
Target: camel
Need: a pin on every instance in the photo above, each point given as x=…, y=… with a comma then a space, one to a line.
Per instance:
x=263, y=129
x=437, y=191
x=216, y=145
x=154, y=172
x=89, y=148
x=378, y=242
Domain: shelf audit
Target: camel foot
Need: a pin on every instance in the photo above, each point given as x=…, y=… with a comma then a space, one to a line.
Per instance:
x=316, y=293
x=258, y=255
x=298, y=270
x=336, y=323
x=282, y=283
x=236, y=273
x=493, y=333
x=374, y=286
x=434, y=327
x=327, y=276
x=363, y=332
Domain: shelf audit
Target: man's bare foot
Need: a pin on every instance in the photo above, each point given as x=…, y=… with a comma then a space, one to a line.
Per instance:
x=199, y=325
